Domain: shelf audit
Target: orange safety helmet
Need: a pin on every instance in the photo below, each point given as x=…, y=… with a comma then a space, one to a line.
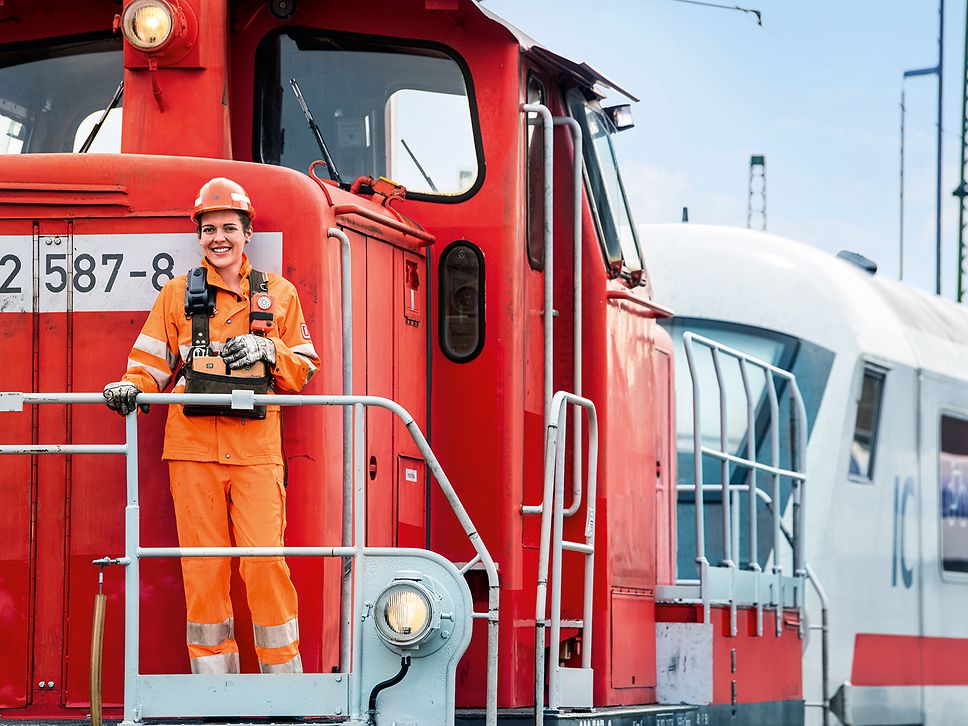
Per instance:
x=221, y=193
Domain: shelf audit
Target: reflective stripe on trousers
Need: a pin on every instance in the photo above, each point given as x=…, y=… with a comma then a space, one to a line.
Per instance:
x=210, y=634
x=293, y=665
x=218, y=663
x=278, y=647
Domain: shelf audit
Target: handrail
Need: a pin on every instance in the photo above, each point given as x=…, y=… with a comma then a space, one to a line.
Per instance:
x=750, y=463
x=578, y=166
x=655, y=309
x=552, y=539
x=547, y=122
x=824, y=644
x=346, y=305
x=14, y=401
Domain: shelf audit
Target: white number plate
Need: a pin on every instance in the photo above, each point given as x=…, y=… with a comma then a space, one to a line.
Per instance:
x=107, y=272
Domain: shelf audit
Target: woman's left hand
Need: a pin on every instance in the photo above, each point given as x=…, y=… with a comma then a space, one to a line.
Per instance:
x=244, y=350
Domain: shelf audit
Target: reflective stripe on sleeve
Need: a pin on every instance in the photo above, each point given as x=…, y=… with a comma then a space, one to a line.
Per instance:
x=305, y=349
x=290, y=666
x=276, y=636
x=152, y=346
x=161, y=377
x=210, y=634
x=218, y=663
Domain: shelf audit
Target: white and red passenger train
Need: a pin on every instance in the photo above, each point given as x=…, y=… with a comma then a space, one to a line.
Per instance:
x=497, y=277
x=884, y=373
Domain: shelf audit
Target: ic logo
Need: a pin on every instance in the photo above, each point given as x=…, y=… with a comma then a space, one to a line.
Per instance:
x=898, y=559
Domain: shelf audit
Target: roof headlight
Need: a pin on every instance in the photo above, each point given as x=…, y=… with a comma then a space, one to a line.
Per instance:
x=147, y=24
x=405, y=614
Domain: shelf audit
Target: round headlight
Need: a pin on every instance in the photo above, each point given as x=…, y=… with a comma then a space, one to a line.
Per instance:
x=404, y=613
x=147, y=24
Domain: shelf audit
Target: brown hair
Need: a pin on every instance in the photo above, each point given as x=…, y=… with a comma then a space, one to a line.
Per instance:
x=244, y=218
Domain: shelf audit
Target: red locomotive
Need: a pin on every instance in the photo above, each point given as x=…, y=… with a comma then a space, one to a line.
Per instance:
x=474, y=300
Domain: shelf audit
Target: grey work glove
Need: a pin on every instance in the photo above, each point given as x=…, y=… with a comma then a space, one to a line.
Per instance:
x=121, y=396
x=244, y=350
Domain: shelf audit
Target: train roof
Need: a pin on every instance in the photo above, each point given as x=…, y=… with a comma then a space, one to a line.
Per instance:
x=582, y=71
x=767, y=281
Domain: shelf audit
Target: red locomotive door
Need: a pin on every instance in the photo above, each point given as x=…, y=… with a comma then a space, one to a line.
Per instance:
x=53, y=251
x=19, y=330
x=396, y=368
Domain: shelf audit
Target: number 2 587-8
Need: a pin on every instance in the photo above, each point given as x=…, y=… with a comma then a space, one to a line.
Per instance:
x=86, y=272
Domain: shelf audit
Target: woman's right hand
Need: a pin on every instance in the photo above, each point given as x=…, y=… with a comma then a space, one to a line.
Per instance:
x=121, y=396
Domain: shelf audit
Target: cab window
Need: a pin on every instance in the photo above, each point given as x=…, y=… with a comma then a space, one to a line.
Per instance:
x=606, y=191
x=954, y=494
x=400, y=111
x=863, y=448
x=51, y=96
x=535, y=178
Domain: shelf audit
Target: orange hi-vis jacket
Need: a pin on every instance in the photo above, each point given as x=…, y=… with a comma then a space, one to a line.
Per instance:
x=165, y=340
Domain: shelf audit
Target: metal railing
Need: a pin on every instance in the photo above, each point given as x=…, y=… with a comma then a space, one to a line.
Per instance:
x=552, y=544
x=726, y=582
x=149, y=695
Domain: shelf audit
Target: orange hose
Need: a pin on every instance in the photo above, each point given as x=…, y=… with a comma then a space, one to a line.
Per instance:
x=97, y=644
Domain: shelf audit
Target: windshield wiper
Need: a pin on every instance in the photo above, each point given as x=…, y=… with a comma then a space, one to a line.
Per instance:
x=419, y=168
x=100, y=122
x=330, y=166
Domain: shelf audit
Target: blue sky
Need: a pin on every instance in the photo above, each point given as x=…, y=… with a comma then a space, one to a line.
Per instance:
x=816, y=90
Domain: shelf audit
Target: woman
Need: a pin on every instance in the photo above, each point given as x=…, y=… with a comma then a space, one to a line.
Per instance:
x=226, y=470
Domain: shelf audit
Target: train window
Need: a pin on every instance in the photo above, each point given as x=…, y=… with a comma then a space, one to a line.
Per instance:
x=864, y=446
x=108, y=138
x=461, y=286
x=607, y=193
x=535, y=181
x=395, y=110
x=954, y=494
x=47, y=95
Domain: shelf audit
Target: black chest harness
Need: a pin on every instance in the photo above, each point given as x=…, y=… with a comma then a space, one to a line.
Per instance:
x=200, y=307
x=205, y=373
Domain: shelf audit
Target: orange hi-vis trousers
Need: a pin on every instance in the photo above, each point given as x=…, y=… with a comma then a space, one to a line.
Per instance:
x=209, y=498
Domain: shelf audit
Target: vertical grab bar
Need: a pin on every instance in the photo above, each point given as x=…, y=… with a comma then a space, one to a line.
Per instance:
x=547, y=123
x=552, y=519
x=576, y=387
x=359, y=541
x=724, y=464
x=775, y=494
x=577, y=296
x=702, y=564
x=754, y=563
x=132, y=600
x=346, y=304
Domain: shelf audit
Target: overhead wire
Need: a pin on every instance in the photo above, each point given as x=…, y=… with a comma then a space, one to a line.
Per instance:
x=751, y=11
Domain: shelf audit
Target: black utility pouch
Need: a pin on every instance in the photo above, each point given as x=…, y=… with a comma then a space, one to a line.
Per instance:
x=199, y=380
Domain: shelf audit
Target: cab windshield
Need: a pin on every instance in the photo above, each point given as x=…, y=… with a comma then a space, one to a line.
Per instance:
x=398, y=111
x=51, y=96
x=607, y=193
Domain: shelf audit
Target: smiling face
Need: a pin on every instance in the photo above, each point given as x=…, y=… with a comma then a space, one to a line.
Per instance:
x=223, y=237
